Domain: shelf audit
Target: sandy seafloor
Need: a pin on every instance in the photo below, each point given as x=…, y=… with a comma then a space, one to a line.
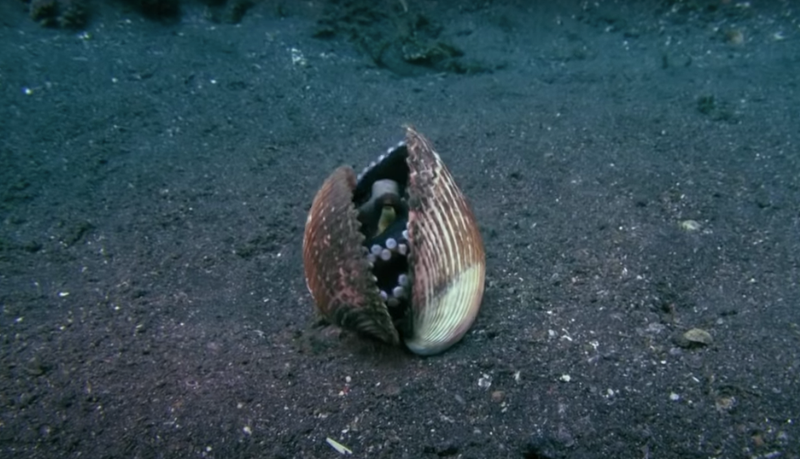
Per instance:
x=155, y=179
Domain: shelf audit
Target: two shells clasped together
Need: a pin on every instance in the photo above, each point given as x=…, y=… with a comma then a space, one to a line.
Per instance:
x=395, y=253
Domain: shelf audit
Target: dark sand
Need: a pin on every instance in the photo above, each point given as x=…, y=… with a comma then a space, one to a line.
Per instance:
x=155, y=179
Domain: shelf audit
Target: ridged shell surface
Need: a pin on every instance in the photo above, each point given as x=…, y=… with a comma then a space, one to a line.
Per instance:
x=448, y=259
x=337, y=274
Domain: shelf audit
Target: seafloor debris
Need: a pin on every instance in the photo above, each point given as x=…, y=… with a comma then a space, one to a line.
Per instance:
x=689, y=225
x=70, y=14
x=74, y=14
x=230, y=12
x=402, y=40
x=340, y=448
x=695, y=337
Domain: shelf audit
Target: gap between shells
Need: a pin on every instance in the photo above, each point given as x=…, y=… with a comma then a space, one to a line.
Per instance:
x=382, y=203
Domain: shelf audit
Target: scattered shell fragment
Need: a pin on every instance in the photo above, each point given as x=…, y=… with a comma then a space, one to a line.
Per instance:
x=725, y=403
x=695, y=337
x=340, y=448
x=734, y=36
x=690, y=225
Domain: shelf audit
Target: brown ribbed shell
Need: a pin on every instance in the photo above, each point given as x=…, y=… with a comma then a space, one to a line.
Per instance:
x=447, y=260
x=337, y=272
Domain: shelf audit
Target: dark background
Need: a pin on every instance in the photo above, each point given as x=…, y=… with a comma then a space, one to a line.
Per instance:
x=157, y=161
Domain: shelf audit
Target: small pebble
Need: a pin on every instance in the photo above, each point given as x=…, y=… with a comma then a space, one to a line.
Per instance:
x=694, y=338
x=690, y=225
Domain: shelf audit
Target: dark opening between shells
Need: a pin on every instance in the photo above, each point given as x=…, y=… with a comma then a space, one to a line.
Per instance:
x=382, y=202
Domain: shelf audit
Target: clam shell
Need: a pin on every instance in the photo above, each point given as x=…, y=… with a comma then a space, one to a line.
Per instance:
x=337, y=274
x=446, y=260
x=447, y=255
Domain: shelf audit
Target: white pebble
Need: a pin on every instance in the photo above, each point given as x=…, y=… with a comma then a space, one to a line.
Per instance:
x=384, y=295
x=376, y=249
x=398, y=292
x=386, y=254
x=405, y=234
x=391, y=243
x=403, y=249
x=402, y=279
x=392, y=302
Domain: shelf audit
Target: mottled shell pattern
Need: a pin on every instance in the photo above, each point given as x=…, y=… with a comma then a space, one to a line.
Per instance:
x=395, y=253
